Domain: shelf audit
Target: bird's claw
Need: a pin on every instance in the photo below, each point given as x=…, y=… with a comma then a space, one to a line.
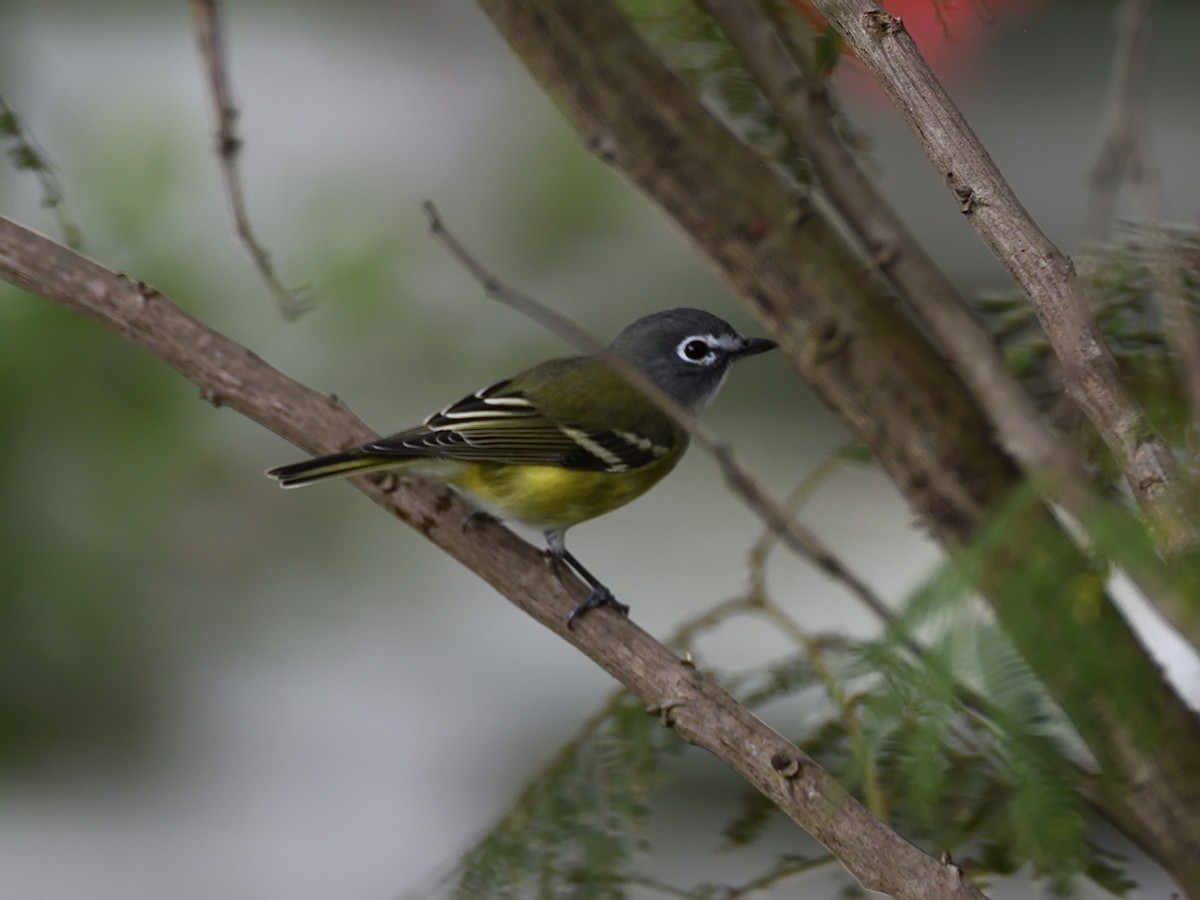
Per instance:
x=600, y=596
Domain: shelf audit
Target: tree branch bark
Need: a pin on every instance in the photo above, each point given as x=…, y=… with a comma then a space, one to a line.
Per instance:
x=1044, y=272
x=1121, y=157
x=686, y=700
x=210, y=42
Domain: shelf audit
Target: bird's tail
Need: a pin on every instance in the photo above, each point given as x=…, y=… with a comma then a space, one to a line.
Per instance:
x=336, y=465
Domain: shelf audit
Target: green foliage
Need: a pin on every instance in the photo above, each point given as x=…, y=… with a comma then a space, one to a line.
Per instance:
x=574, y=828
x=1126, y=281
x=827, y=50
x=973, y=753
x=856, y=452
x=756, y=813
x=93, y=442
x=966, y=753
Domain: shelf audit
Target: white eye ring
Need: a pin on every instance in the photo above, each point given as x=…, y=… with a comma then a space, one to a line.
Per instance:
x=697, y=350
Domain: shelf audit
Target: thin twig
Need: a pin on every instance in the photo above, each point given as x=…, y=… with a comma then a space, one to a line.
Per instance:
x=799, y=497
x=1121, y=157
x=685, y=636
x=1044, y=272
x=788, y=867
x=291, y=303
x=25, y=154
x=759, y=553
x=872, y=789
x=799, y=539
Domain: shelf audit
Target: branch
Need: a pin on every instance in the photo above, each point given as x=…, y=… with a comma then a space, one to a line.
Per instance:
x=684, y=699
x=1045, y=274
x=229, y=145
x=1121, y=157
x=25, y=154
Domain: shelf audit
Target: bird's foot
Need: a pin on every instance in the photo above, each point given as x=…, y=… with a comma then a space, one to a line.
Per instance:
x=600, y=596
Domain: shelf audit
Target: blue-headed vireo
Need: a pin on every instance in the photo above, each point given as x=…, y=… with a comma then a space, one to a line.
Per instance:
x=565, y=441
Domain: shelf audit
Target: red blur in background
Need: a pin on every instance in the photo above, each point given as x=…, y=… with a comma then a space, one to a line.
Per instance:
x=948, y=32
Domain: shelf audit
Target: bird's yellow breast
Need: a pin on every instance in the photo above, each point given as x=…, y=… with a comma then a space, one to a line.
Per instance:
x=551, y=497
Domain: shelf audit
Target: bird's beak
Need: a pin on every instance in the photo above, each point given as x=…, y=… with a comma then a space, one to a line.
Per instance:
x=752, y=345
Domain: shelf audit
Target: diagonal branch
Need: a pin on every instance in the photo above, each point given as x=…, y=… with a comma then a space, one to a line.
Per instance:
x=229, y=145
x=685, y=700
x=25, y=154
x=1121, y=156
x=1045, y=274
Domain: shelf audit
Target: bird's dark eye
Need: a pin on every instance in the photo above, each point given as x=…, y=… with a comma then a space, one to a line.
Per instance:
x=696, y=350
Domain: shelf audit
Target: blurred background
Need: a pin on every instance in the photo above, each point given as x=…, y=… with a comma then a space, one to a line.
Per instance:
x=209, y=687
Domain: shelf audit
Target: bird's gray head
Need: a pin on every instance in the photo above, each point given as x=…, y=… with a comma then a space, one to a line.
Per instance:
x=686, y=351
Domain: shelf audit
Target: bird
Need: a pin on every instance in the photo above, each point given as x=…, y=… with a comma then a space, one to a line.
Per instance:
x=562, y=442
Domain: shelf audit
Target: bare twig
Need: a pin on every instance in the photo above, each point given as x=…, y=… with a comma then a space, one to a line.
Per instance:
x=692, y=704
x=783, y=870
x=25, y=154
x=208, y=35
x=1121, y=157
x=796, y=500
x=1045, y=274
x=799, y=539
x=686, y=634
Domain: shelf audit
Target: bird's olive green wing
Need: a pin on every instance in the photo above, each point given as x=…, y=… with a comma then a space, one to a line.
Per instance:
x=546, y=416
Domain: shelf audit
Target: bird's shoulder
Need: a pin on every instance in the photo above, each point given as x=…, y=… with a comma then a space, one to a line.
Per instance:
x=583, y=392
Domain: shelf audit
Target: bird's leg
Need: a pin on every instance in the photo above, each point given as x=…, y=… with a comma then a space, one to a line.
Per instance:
x=600, y=595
